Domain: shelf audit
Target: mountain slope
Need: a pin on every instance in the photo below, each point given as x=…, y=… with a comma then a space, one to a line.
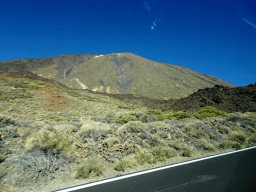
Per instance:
x=121, y=73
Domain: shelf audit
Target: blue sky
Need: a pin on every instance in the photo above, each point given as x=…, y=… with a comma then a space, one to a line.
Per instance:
x=215, y=38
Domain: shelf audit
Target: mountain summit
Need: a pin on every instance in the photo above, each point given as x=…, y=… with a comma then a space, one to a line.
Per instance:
x=118, y=73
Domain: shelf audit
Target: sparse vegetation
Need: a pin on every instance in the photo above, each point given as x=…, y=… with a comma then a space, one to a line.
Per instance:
x=163, y=134
x=17, y=84
x=181, y=115
x=224, y=129
x=6, y=120
x=176, y=145
x=253, y=138
x=154, y=112
x=56, y=118
x=73, y=93
x=13, y=94
x=54, y=142
x=122, y=119
x=40, y=83
x=163, y=117
x=228, y=145
x=162, y=151
x=241, y=137
x=37, y=165
x=133, y=127
x=178, y=115
x=126, y=106
x=207, y=145
x=212, y=137
x=186, y=153
x=195, y=130
x=113, y=130
x=250, y=115
x=143, y=158
x=121, y=165
x=92, y=166
x=65, y=128
x=250, y=129
x=2, y=157
x=22, y=84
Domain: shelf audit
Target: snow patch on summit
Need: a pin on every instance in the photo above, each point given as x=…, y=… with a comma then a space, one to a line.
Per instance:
x=98, y=56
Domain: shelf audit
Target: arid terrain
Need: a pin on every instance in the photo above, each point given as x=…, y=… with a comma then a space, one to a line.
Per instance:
x=51, y=135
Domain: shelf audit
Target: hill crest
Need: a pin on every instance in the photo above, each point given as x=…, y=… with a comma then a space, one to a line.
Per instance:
x=117, y=73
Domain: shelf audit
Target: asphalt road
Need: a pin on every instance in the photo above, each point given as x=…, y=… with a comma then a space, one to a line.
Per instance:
x=232, y=171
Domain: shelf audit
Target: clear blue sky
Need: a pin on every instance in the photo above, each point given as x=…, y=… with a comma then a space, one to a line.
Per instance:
x=215, y=38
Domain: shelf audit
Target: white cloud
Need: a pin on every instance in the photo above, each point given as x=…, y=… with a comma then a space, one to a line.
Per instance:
x=154, y=24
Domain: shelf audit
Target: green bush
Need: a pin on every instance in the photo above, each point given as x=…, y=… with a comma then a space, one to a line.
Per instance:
x=212, y=137
x=41, y=83
x=176, y=145
x=163, y=134
x=133, y=127
x=121, y=165
x=93, y=164
x=174, y=116
x=56, y=118
x=17, y=84
x=253, y=138
x=89, y=98
x=2, y=157
x=4, y=188
x=15, y=93
x=236, y=146
x=56, y=143
x=142, y=158
x=230, y=145
x=208, y=112
x=126, y=107
x=250, y=129
x=198, y=133
x=248, y=145
x=73, y=93
x=181, y=115
x=186, y=153
x=178, y=115
x=224, y=129
x=163, y=151
x=241, y=137
x=6, y=120
x=162, y=117
x=206, y=145
x=224, y=145
x=124, y=119
x=158, y=158
x=153, y=112
x=250, y=115
x=34, y=87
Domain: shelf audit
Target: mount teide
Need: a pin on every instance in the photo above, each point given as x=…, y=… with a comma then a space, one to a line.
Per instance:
x=117, y=73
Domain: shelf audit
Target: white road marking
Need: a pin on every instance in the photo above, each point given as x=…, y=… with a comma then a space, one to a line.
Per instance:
x=198, y=179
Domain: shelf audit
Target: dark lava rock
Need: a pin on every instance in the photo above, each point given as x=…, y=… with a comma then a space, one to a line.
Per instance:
x=95, y=138
x=13, y=134
x=237, y=99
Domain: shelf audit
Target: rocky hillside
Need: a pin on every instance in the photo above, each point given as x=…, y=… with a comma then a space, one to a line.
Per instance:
x=121, y=73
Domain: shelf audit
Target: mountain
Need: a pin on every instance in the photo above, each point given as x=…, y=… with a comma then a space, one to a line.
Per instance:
x=117, y=73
